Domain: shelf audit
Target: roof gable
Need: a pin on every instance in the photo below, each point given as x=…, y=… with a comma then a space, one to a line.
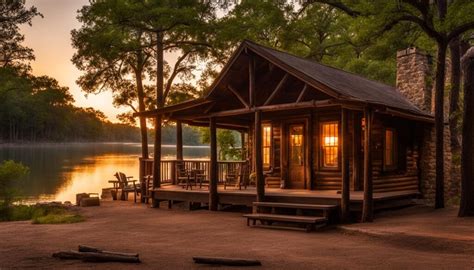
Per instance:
x=347, y=85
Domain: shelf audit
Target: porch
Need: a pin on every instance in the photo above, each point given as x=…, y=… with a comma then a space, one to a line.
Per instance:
x=245, y=197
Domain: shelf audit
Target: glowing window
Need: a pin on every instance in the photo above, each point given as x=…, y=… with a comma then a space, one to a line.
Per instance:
x=266, y=143
x=330, y=144
x=389, y=149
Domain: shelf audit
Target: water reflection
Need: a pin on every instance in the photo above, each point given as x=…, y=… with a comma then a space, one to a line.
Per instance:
x=59, y=171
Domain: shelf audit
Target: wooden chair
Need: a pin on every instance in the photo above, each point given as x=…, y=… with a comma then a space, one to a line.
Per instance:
x=147, y=184
x=239, y=177
x=122, y=184
x=184, y=176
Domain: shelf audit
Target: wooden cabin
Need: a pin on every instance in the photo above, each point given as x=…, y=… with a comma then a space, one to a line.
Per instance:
x=308, y=128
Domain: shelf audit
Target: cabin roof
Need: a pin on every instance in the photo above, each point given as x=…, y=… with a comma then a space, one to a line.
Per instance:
x=339, y=84
x=346, y=84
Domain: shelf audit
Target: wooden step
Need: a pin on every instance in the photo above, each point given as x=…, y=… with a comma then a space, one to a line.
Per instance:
x=308, y=221
x=296, y=205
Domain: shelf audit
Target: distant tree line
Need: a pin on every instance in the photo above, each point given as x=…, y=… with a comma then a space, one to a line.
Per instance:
x=39, y=109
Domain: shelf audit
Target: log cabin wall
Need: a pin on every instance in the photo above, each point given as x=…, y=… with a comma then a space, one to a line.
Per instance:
x=405, y=176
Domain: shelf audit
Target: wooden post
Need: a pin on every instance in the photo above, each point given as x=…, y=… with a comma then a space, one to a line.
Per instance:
x=242, y=145
x=157, y=160
x=345, y=189
x=213, y=196
x=356, y=142
x=367, y=205
x=179, y=140
x=251, y=81
x=258, y=157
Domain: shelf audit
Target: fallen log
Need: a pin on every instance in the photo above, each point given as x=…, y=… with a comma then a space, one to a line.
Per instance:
x=226, y=261
x=94, y=257
x=83, y=248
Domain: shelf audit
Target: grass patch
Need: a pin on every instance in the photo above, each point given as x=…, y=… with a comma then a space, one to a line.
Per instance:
x=58, y=219
x=42, y=214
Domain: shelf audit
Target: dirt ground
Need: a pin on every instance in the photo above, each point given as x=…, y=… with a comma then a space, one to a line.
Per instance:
x=168, y=239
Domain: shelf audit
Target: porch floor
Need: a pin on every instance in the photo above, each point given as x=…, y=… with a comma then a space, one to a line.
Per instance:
x=234, y=196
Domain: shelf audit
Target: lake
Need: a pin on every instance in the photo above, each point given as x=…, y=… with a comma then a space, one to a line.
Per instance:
x=59, y=171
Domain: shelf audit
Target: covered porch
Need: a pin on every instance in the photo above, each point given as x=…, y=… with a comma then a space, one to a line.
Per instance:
x=325, y=135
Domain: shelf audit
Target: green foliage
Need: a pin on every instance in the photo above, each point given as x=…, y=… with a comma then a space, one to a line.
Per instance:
x=43, y=214
x=10, y=173
x=12, y=52
x=228, y=143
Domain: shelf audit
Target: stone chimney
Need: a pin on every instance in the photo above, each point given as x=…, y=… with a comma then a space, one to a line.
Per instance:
x=414, y=78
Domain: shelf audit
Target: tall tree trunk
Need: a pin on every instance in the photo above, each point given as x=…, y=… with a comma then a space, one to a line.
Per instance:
x=141, y=108
x=467, y=158
x=454, y=48
x=439, y=123
x=159, y=104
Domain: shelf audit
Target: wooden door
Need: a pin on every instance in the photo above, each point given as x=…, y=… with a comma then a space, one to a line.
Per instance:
x=296, y=156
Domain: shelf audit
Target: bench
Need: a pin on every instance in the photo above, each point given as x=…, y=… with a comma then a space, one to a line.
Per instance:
x=325, y=208
x=309, y=222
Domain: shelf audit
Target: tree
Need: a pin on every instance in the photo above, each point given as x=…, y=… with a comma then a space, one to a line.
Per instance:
x=441, y=21
x=177, y=26
x=467, y=159
x=127, y=55
x=12, y=52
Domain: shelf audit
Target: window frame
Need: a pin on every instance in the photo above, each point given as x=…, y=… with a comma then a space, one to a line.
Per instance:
x=394, y=165
x=321, y=143
x=268, y=165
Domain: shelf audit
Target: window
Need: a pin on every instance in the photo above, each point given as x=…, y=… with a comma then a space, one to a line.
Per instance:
x=266, y=144
x=390, y=149
x=330, y=143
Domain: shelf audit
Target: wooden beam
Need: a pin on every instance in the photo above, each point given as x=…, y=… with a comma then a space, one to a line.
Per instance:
x=252, y=95
x=367, y=204
x=257, y=153
x=345, y=189
x=277, y=89
x=241, y=99
x=279, y=107
x=408, y=115
x=300, y=97
x=213, y=196
x=173, y=108
x=209, y=108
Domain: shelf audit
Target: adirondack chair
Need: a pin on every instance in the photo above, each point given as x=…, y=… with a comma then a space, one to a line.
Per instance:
x=238, y=177
x=123, y=183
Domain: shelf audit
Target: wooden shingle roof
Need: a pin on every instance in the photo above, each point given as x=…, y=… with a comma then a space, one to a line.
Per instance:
x=348, y=85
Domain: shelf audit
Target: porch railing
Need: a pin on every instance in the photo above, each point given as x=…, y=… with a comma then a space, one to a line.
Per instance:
x=169, y=167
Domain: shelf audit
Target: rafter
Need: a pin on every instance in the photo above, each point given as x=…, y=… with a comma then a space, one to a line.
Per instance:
x=301, y=95
x=237, y=94
x=277, y=89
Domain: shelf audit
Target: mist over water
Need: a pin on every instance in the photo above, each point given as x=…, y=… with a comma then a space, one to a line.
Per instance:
x=59, y=171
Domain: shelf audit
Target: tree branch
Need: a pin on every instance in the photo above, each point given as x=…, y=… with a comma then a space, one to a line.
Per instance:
x=339, y=5
x=460, y=30
x=176, y=71
x=420, y=22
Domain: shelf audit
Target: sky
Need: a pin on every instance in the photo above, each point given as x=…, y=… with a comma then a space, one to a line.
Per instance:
x=50, y=38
